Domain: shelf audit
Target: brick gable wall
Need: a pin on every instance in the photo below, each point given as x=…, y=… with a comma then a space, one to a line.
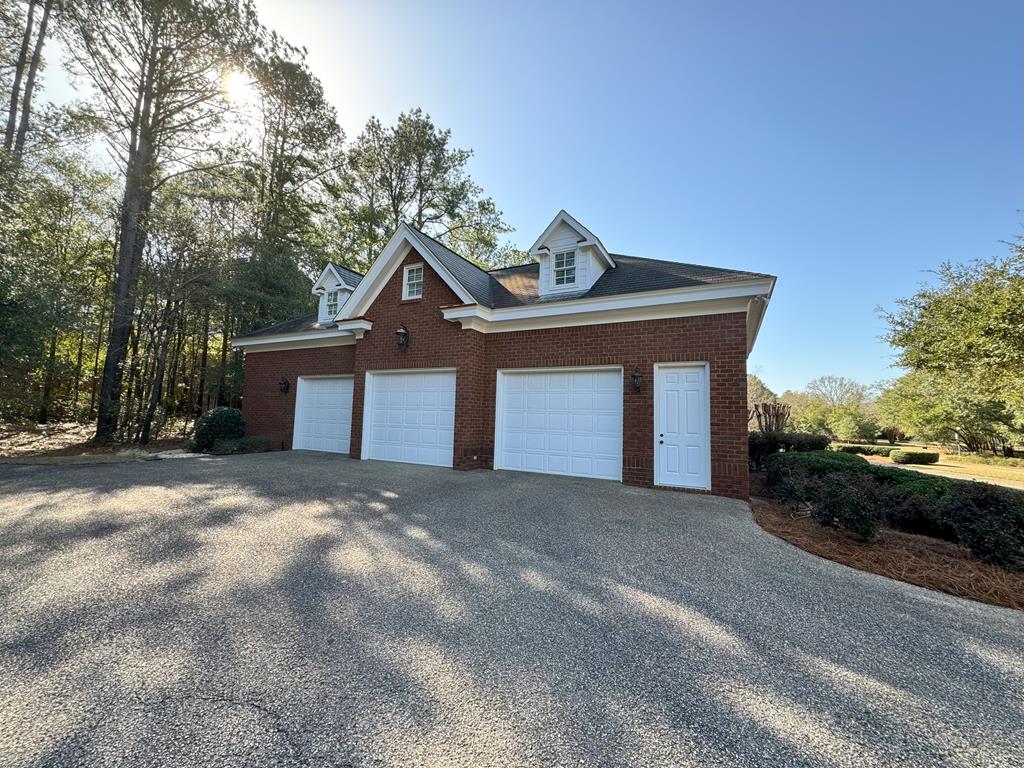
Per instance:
x=719, y=340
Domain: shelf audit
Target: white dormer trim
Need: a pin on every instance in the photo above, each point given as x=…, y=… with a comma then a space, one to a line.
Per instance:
x=395, y=252
x=330, y=271
x=587, y=238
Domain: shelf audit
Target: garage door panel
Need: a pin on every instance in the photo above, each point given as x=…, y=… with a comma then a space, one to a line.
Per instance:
x=412, y=417
x=562, y=422
x=323, y=414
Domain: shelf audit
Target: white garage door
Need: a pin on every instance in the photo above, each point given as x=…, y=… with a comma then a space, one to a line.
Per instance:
x=411, y=417
x=323, y=413
x=564, y=422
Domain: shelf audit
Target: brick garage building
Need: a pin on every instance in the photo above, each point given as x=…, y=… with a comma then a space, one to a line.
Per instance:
x=582, y=363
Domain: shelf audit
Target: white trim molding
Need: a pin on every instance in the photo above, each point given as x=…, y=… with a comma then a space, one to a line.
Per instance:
x=357, y=326
x=587, y=238
x=306, y=340
x=394, y=253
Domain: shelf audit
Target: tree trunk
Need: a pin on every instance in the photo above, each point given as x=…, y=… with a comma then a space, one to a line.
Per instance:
x=19, y=73
x=30, y=84
x=137, y=198
x=44, y=405
x=78, y=373
x=156, y=390
x=203, y=358
x=96, y=358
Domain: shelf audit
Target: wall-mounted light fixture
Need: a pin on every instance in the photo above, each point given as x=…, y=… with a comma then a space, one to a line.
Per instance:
x=638, y=380
x=283, y=384
x=403, y=338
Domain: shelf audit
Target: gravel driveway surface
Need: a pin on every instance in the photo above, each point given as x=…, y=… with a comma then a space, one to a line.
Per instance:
x=305, y=609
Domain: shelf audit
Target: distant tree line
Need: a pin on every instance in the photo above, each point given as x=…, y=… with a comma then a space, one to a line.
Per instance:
x=187, y=199
x=962, y=343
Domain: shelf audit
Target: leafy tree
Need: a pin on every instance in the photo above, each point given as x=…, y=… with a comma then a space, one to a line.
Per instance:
x=410, y=172
x=837, y=391
x=970, y=326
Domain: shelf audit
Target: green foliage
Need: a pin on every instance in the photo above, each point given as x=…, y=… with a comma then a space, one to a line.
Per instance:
x=999, y=461
x=864, y=450
x=218, y=424
x=914, y=457
x=851, y=422
x=988, y=520
x=847, y=500
x=846, y=491
x=761, y=445
x=240, y=445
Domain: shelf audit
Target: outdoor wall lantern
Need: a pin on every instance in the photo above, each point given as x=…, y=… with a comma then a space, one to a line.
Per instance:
x=638, y=380
x=403, y=338
x=283, y=384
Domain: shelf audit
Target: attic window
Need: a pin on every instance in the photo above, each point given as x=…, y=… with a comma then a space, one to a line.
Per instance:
x=565, y=268
x=412, y=286
x=332, y=303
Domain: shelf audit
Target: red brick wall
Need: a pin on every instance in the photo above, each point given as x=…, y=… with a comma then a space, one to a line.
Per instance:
x=269, y=412
x=433, y=343
x=719, y=340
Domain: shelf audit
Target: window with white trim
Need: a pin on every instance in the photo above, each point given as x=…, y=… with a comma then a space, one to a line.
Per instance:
x=565, y=268
x=332, y=303
x=412, y=285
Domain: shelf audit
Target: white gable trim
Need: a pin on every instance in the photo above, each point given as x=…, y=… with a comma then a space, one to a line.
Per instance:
x=387, y=263
x=302, y=340
x=588, y=238
x=329, y=269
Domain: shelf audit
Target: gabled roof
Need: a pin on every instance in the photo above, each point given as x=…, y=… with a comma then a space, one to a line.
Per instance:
x=587, y=238
x=478, y=283
x=347, y=276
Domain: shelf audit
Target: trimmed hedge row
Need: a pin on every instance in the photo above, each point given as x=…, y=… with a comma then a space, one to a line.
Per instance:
x=846, y=491
x=761, y=445
x=914, y=457
x=865, y=450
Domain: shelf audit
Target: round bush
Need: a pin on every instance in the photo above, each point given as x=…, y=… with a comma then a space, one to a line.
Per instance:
x=218, y=424
x=914, y=457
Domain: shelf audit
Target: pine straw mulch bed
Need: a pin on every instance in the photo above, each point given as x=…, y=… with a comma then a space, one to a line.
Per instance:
x=66, y=439
x=920, y=560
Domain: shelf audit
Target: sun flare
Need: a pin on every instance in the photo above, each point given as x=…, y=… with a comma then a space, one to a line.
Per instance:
x=237, y=86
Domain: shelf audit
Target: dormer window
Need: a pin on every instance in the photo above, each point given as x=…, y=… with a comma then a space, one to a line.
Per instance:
x=412, y=285
x=332, y=303
x=565, y=268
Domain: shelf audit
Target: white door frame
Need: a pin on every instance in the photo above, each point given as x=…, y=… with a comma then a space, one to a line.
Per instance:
x=299, y=401
x=368, y=377
x=658, y=368
x=499, y=403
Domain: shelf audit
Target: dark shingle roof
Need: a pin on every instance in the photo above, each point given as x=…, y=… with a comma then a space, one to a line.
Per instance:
x=295, y=325
x=350, y=276
x=631, y=274
x=518, y=286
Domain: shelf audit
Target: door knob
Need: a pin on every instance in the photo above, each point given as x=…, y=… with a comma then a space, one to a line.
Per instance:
x=661, y=442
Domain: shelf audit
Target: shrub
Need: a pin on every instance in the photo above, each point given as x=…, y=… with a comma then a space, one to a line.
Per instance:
x=913, y=457
x=761, y=445
x=913, y=506
x=847, y=500
x=864, y=450
x=218, y=424
x=240, y=445
x=988, y=520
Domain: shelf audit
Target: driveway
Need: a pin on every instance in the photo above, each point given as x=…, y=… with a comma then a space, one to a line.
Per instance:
x=304, y=609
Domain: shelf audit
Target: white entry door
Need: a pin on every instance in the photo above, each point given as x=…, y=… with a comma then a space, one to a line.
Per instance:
x=682, y=444
x=563, y=422
x=323, y=413
x=410, y=416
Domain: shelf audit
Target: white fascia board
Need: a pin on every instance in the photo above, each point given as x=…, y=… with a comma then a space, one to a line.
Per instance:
x=608, y=316
x=589, y=238
x=384, y=267
x=332, y=338
x=329, y=269
x=740, y=289
x=357, y=327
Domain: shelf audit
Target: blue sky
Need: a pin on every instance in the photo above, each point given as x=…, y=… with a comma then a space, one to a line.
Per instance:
x=845, y=147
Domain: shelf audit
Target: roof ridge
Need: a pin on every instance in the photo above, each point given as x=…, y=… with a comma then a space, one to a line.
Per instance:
x=690, y=264
x=438, y=242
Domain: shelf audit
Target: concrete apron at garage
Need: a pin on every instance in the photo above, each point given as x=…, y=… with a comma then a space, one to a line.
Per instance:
x=303, y=608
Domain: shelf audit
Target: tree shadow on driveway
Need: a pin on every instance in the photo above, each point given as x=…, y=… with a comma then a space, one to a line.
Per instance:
x=302, y=609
